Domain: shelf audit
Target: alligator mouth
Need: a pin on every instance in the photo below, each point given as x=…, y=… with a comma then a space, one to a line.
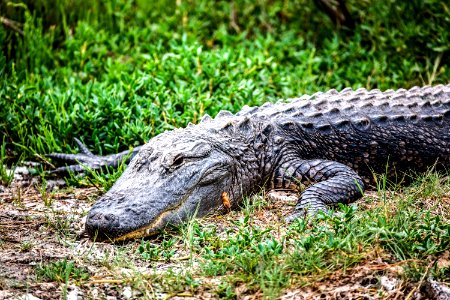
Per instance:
x=152, y=228
x=146, y=231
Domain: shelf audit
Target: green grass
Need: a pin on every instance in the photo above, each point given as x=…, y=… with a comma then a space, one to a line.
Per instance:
x=266, y=258
x=61, y=271
x=103, y=179
x=116, y=73
x=6, y=175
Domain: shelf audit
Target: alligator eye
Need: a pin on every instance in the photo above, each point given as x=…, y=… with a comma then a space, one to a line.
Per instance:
x=178, y=161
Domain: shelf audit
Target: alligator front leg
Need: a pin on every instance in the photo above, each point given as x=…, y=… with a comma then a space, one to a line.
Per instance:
x=86, y=159
x=329, y=183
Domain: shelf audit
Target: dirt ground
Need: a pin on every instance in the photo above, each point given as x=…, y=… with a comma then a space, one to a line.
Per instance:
x=39, y=225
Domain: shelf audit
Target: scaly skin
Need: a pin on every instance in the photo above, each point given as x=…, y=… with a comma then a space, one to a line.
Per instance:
x=329, y=142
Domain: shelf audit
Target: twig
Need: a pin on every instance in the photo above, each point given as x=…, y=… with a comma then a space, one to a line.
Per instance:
x=168, y=296
x=233, y=19
x=437, y=62
x=46, y=161
x=181, y=258
x=421, y=280
x=11, y=24
x=107, y=281
x=93, y=183
x=337, y=11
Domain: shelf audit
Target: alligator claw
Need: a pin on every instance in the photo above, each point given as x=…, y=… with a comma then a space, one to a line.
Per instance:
x=83, y=148
x=79, y=162
x=304, y=214
x=294, y=216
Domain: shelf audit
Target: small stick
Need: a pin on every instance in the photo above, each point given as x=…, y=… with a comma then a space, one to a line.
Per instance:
x=11, y=24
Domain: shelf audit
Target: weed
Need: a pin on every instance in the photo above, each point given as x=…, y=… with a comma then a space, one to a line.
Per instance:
x=250, y=205
x=6, y=176
x=18, y=198
x=47, y=197
x=226, y=290
x=103, y=178
x=62, y=271
x=26, y=246
x=60, y=222
x=151, y=251
x=431, y=184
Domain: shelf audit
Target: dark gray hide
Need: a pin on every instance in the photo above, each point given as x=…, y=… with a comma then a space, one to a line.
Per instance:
x=331, y=142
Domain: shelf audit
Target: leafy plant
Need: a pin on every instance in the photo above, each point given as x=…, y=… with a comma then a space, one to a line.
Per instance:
x=62, y=271
x=6, y=176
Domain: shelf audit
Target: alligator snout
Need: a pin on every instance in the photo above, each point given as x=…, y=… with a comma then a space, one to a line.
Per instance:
x=102, y=225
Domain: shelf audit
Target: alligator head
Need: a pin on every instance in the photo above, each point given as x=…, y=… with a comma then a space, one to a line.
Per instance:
x=174, y=177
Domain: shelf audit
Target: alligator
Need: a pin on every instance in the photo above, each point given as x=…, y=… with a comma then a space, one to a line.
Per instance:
x=326, y=146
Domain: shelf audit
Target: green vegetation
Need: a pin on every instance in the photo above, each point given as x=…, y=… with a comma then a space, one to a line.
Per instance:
x=61, y=271
x=244, y=252
x=115, y=73
x=6, y=176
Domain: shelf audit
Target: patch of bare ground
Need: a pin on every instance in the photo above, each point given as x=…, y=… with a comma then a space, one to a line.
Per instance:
x=34, y=232
x=39, y=226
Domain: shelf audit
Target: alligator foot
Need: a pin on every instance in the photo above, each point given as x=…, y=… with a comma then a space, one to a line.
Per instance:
x=87, y=160
x=330, y=183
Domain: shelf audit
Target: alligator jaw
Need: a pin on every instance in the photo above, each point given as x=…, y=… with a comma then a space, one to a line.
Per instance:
x=137, y=234
x=170, y=215
x=146, y=231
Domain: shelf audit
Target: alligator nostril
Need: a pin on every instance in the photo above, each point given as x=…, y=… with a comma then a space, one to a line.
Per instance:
x=102, y=224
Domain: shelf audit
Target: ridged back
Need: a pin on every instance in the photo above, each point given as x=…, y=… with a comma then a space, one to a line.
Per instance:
x=408, y=129
x=336, y=108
